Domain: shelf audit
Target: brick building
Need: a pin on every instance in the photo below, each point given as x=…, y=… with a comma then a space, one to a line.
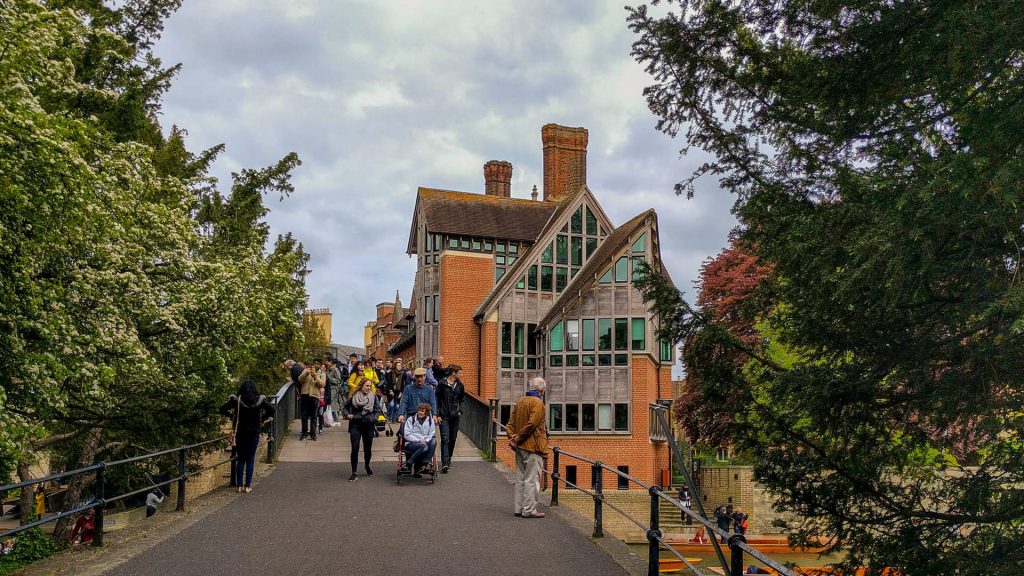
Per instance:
x=511, y=288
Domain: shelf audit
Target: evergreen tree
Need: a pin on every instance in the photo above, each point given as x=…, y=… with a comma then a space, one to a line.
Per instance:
x=875, y=151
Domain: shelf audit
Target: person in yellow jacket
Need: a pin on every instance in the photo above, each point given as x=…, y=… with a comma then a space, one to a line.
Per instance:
x=360, y=372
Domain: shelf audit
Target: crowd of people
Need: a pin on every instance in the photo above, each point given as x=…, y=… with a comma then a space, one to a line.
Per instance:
x=374, y=394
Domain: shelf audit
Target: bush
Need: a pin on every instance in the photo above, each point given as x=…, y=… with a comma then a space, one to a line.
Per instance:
x=31, y=545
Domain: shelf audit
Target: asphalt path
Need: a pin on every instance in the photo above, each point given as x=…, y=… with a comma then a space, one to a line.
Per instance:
x=305, y=518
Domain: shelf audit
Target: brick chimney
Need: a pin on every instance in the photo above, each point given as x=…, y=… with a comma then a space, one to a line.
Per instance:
x=498, y=178
x=565, y=160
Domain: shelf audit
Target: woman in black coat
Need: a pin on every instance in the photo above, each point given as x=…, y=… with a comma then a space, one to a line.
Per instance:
x=247, y=409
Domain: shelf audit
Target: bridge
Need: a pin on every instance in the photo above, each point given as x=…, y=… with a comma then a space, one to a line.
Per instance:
x=305, y=517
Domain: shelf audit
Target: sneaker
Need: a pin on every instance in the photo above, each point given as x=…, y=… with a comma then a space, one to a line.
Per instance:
x=353, y=478
x=302, y=436
x=444, y=469
x=534, y=515
x=313, y=438
x=368, y=471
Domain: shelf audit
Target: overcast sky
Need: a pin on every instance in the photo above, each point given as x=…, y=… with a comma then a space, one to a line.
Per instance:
x=378, y=98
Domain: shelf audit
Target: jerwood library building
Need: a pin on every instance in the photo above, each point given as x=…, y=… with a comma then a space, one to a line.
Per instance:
x=511, y=288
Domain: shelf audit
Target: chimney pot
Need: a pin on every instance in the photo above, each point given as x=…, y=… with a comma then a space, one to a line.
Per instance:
x=498, y=178
x=533, y=195
x=565, y=160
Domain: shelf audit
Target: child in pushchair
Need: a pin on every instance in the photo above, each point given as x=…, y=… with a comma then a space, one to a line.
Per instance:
x=381, y=424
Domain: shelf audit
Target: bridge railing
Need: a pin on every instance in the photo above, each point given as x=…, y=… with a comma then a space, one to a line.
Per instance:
x=100, y=500
x=286, y=410
x=475, y=423
x=656, y=541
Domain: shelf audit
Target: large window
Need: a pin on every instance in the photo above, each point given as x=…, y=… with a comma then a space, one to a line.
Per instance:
x=621, y=336
x=588, y=417
x=572, y=335
x=556, y=338
x=546, y=278
x=604, y=334
x=621, y=269
x=664, y=350
x=588, y=334
x=561, y=249
x=638, y=334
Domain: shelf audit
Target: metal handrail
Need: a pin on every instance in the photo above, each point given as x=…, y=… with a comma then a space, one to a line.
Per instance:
x=656, y=541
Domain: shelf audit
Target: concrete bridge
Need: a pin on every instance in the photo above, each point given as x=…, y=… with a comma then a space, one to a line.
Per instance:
x=306, y=518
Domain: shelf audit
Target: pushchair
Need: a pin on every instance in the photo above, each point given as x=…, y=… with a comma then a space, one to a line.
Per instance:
x=381, y=424
x=430, y=470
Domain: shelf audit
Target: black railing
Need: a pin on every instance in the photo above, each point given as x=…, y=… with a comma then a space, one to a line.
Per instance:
x=286, y=407
x=656, y=541
x=100, y=500
x=475, y=423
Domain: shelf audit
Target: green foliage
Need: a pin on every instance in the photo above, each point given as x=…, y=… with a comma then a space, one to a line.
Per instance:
x=31, y=545
x=133, y=294
x=876, y=151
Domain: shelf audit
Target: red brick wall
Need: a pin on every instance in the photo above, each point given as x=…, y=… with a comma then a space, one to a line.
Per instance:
x=488, y=344
x=465, y=280
x=644, y=458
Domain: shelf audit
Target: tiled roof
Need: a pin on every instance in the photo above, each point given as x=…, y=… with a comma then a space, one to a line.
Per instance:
x=519, y=268
x=601, y=258
x=480, y=215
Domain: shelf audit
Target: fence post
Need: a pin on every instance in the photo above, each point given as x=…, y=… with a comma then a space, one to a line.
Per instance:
x=596, y=472
x=492, y=409
x=101, y=504
x=653, y=533
x=271, y=444
x=736, y=561
x=555, y=477
x=181, y=480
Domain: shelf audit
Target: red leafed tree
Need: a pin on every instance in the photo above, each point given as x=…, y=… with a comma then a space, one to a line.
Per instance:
x=731, y=292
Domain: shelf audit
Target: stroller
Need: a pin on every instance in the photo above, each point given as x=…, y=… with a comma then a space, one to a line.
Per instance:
x=381, y=424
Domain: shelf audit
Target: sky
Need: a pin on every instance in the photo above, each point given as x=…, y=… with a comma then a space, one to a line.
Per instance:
x=379, y=98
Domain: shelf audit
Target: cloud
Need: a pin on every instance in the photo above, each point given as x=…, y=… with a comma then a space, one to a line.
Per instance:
x=378, y=98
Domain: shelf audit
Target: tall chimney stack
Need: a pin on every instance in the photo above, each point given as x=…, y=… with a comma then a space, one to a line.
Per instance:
x=498, y=178
x=565, y=160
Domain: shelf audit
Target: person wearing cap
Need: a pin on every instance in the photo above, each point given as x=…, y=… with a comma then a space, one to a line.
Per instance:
x=418, y=393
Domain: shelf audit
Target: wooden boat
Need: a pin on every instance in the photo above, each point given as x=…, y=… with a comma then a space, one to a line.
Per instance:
x=670, y=565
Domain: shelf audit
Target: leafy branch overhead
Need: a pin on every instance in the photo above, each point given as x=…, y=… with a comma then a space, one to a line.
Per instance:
x=875, y=153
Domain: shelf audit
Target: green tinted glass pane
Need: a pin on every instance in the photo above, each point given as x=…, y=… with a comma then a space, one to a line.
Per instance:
x=518, y=363
x=572, y=417
x=621, y=269
x=576, y=251
x=499, y=260
x=591, y=246
x=588, y=418
x=576, y=223
x=488, y=246
x=555, y=417
x=476, y=244
x=531, y=339
x=607, y=278
x=506, y=361
x=531, y=278
x=499, y=247
x=557, y=338
x=604, y=334
x=545, y=278
x=561, y=249
x=588, y=334
x=636, y=273
x=513, y=248
x=522, y=283
x=531, y=363
x=545, y=256
x=621, y=359
x=453, y=242
x=556, y=361
x=665, y=348
x=604, y=359
x=430, y=242
x=638, y=333
x=621, y=417
x=591, y=222
x=572, y=360
x=465, y=242
x=498, y=273
x=640, y=244
x=520, y=338
x=588, y=360
x=506, y=337
x=621, y=336
x=561, y=279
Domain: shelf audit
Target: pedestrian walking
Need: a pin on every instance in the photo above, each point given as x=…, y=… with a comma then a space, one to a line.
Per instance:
x=418, y=393
x=310, y=385
x=439, y=369
x=361, y=412
x=686, y=502
x=527, y=435
x=360, y=372
x=450, y=393
x=739, y=521
x=428, y=364
x=723, y=516
x=333, y=386
x=247, y=409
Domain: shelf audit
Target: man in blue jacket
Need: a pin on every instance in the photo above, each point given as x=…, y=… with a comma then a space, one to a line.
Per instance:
x=415, y=395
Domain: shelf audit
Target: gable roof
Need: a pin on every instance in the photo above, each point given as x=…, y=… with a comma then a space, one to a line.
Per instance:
x=523, y=262
x=602, y=258
x=468, y=214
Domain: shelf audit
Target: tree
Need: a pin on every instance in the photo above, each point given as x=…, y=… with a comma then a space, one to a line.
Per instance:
x=875, y=151
x=130, y=307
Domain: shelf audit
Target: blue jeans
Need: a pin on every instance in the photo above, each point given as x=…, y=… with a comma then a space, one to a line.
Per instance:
x=245, y=454
x=420, y=453
x=393, y=409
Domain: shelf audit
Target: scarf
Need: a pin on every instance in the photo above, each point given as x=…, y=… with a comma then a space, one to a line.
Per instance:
x=362, y=402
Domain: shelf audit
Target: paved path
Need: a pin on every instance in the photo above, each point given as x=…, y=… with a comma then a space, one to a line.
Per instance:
x=305, y=518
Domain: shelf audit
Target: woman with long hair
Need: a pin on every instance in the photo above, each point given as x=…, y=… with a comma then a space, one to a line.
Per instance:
x=247, y=409
x=362, y=370
x=361, y=410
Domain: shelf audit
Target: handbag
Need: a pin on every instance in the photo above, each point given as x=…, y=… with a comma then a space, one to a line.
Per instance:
x=238, y=417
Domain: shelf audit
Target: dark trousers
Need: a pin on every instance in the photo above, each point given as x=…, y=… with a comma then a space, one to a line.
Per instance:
x=360, y=430
x=307, y=408
x=245, y=459
x=723, y=524
x=449, y=434
x=420, y=453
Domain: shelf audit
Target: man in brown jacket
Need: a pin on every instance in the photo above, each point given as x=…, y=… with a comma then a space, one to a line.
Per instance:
x=310, y=384
x=528, y=436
